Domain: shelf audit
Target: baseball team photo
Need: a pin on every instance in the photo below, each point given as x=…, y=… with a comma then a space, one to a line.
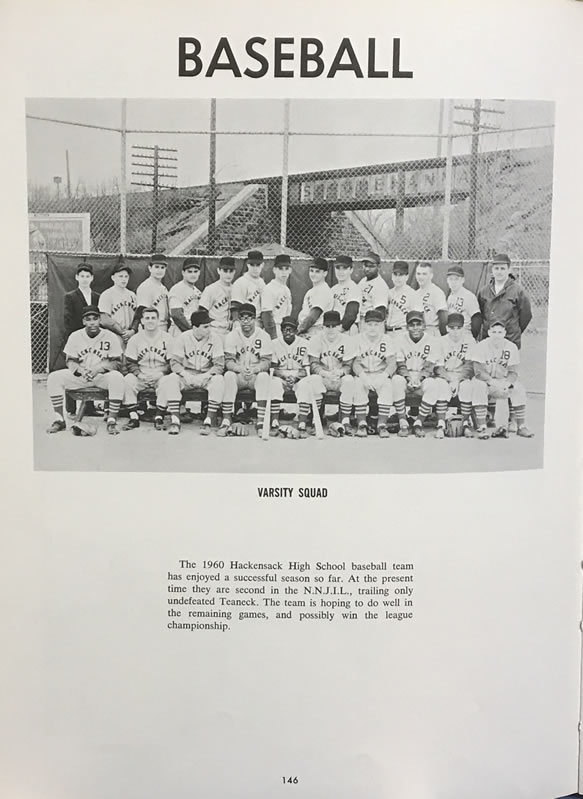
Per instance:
x=289, y=286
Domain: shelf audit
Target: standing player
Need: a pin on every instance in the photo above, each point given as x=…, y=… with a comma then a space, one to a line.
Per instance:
x=504, y=300
x=496, y=359
x=184, y=297
x=249, y=287
x=152, y=293
x=417, y=357
x=197, y=362
x=374, y=290
x=346, y=294
x=148, y=360
x=317, y=300
x=118, y=304
x=374, y=366
x=402, y=299
x=93, y=357
x=461, y=300
x=330, y=362
x=216, y=298
x=276, y=300
x=457, y=369
x=248, y=351
x=432, y=300
x=289, y=360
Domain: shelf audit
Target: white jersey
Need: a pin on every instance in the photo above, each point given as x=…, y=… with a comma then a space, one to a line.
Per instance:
x=120, y=304
x=197, y=356
x=246, y=289
x=457, y=354
x=498, y=360
x=153, y=294
x=373, y=356
x=343, y=293
x=414, y=354
x=184, y=296
x=374, y=294
x=249, y=350
x=432, y=300
x=319, y=296
x=290, y=357
x=151, y=353
x=277, y=298
x=465, y=302
x=401, y=301
x=331, y=355
x=216, y=298
x=91, y=352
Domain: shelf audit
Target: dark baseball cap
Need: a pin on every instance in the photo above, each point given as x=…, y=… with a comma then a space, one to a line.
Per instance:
x=289, y=321
x=401, y=268
x=121, y=267
x=343, y=260
x=497, y=323
x=159, y=258
x=374, y=316
x=415, y=316
x=456, y=269
x=282, y=260
x=331, y=319
x=227, y=262
x=455, y=319
x=90, y=310
x=198, y=318
x=247, y=308
x=501, y=258
x=189, y=263
x=84, y=268
x=319, y=263
x=255, y=255
x=372, y=257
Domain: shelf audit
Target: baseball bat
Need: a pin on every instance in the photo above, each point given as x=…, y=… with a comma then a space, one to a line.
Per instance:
x=316, y=414
x=267, y=417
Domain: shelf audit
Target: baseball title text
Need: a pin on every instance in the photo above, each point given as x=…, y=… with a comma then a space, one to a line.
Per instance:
x=284, y=492
x=289, y=57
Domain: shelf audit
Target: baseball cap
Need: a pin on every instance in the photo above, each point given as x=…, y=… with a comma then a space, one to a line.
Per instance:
x=415, y=316
x=255, y=255
x=158, y=258
x=227, y=262
x=90, y=310
x=247, y=308
x=319, y=263
x=373, y=316
x=401, y=268
x=501, y=258
x=331, y=318
x=372, y=256
x=84, y=268
x=190, y=262
x=282, y=260
x=122, y=267
x=198, y=318
x=343, y=260
x=289, y=321
x=497, y=323
x=456, y=269
x=455, y=319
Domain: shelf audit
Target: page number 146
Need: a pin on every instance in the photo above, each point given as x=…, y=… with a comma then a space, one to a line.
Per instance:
x=290, y=780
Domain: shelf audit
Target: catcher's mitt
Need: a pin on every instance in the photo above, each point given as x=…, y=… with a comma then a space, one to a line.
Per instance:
x=83, y=429
x=336, y=430
x=238, y=429
x=454, y=427
x=287, y=431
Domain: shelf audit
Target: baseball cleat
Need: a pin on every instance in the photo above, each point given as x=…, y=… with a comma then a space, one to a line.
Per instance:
x=383, y=431
x=500, y=432
x=418, y=430
x=174, y=429
x=57, y=426
x=403, y=429
x=131, y=424
x=512, y=426
x=362, y=430
x=468, y=432
x=302, y=430
x=112, y=428
x=158, y=423
x=440, y=431
x=524, y=431
x=483, y=433
x=205, y=430
x=223, y=430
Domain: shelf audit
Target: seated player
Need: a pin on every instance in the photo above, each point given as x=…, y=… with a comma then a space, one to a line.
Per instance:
x=432, y=300
x=457, y=349
x=290, y=361
x=93, y=358
x=330, y=371
x=249, y=287
x=197, y=362
x=184, y=297
x=148, y=360
x=496, y=378
x=418, y=354
x=402, y=299
x=216, y=298
x=317, y=300
x=117, y=304
x=374, y=367
x=374, y=291
x=346, y=294
x=276, y=300
x=248, y=352
x=462, y=300
x=152, y=293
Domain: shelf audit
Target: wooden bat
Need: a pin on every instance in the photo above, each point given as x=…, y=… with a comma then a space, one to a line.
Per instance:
x=316, y=414
x=267, y=417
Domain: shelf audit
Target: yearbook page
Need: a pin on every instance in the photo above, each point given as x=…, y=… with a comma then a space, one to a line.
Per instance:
x=291, y=434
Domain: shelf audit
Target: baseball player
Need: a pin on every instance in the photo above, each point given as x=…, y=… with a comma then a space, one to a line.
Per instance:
x=289, y=360
x=504, y=300
x=374, y=367
x=432, y=300
x=461, y=300
x=250, y=286
x=276, y=300
x=346, y=294
x=216, y=298
x=402, y=299
x=93, y=357
x=148, y=360
x=457, y=370
x=152, y=293
x=118, y=304
x=496, y=359
x=317, y=300
x=184, y=297
x=197, y=361
x=330, y=363
x=248, y=352
x=374, y=290
x=418, y=354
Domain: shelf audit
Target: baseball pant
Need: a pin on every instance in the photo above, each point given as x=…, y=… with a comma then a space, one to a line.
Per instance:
x=317, y=386
x=482, y=393
x=112, y=382
x=134, y=384
x=260, y=382
x=381, y=384
x=431, y=390
x=171, y=386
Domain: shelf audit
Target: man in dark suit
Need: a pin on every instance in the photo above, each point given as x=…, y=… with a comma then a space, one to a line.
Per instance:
x=75, y=303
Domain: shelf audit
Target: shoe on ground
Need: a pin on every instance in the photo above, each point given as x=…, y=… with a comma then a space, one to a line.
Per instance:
x=483, y=433
x=112, y=428
x=158, y=423
x=512, y=426
x=362, y=430
x=440, y=431
x=524, y=432
x=187, y=416
x=500, y=432
x=205, y=430
x=403, y=429
x=383, y=431
x=174, y=429
x=222, y=431
x=302, y=431
x=468, y=432
x=57, y=426
x=131, y=424
x=418, y=430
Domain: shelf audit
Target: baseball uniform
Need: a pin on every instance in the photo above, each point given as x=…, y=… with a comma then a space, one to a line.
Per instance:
x=414, y=355
x=120, y=304
x=183, y=295
x=248, y=289
x=401, y=301
x=319, y=296
x=331, y=356
x=216, y=298
x=192, y=361
x=277, y=298
x=152, y=355
x=153, y=294
x=248, y=351
x=498, y=362
x=432, y=300
x=374, y=357
x=457, y=362
x=342, y=294
x=374, y=294
x=288, y=360
x=465, y=303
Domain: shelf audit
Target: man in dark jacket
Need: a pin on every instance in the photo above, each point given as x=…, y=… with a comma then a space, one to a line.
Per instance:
x=504, y=300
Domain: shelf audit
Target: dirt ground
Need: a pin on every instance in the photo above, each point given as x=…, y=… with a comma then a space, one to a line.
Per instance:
x=147, y=450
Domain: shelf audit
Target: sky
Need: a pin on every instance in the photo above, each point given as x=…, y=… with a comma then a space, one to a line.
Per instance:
x=95, y=155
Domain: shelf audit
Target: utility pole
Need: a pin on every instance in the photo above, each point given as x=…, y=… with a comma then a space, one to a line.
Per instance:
x=212, y=220
x=153, y=162
x=68, y=175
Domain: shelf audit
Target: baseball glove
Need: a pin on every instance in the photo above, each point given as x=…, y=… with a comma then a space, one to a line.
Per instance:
x=336, y=430
x=287, y=431
x=237, y=429
x=454, y=427
x=415, y=379
x=83, y=429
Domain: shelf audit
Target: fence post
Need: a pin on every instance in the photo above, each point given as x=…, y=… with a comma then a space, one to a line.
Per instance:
x=448, y=182
x=123, y=186
x=284, y=174
x=212, y=220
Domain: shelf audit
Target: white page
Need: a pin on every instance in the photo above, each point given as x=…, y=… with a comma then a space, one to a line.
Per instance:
x=479, y=693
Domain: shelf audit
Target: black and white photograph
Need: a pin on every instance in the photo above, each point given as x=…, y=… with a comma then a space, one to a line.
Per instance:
x=289, y=286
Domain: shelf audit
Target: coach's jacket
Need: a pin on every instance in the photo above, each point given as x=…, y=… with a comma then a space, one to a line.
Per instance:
x=74, y=304
x=511, y=306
